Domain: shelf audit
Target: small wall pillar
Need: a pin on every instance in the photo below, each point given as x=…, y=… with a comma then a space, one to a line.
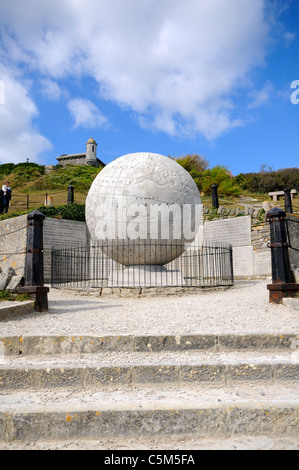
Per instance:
x=70, y=194
x=282, y=278
x=34, y=263
x=215, y=202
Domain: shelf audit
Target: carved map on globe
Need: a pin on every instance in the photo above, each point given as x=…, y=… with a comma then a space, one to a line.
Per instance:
x=132, y=194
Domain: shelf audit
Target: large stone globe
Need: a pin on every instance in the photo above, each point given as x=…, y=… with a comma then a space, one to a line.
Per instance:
x=143, y=208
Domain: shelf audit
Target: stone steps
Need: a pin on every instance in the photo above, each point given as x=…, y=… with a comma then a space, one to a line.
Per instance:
x=137, y=369
x=56, y=345
x=201, y=411
x=202, y=386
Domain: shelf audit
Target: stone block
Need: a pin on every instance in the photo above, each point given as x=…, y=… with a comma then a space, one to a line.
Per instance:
x=243, y=261
x=235, y=231
x=15, y=282
x=262, y=262
x=5, y=277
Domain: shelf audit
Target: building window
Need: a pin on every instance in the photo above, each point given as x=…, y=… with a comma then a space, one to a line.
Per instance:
x=92, y=148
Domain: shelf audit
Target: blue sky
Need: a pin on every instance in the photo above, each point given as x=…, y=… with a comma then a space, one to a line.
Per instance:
x=211, y=77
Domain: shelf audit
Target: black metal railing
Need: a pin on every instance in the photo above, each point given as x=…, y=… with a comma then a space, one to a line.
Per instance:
x=82, y=266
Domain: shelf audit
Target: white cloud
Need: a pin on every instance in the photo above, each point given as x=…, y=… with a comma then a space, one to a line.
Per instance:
x=261, y=97
x=86, y=114
x=51, y=90
x=18, y=137
x=175, y=63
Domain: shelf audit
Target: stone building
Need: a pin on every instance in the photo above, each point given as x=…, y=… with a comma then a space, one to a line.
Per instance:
x=87, y=158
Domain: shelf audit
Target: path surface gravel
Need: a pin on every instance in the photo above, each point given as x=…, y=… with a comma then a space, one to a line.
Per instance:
x=243, y=309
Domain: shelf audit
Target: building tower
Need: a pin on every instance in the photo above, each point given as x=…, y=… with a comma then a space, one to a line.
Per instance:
x=91, y=152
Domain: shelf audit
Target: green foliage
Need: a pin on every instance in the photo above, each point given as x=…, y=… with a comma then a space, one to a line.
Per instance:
x=21, y=173
x=221, y=176
x=204, y=177
x=267, y=181
x=194, y=164
x=80, y=176
x=68, y=211
x=5, y=295
x=6, y=169
x=22, y=297
x=11, y=215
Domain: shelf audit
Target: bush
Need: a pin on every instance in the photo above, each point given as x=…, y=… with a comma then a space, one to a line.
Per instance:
x=72, y=211
x=267, y=181
x=6, y=169
x=193, y=163
x=21, y=173
x=221, y=176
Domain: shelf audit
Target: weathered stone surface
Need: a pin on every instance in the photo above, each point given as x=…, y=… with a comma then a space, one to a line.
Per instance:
x=292, y=221
x=15, y=282
x=13, y=240
x=235, y=231
x=5, y=277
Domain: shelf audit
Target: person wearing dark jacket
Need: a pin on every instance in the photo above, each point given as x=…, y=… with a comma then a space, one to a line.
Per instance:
x=7, y=196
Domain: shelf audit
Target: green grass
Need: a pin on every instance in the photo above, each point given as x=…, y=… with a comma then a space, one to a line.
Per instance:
x=81, y=177
x=7, y=296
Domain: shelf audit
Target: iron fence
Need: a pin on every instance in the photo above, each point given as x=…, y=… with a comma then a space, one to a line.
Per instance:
x=124, y=265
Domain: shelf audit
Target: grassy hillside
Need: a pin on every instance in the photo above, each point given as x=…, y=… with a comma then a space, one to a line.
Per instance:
x=33, y=184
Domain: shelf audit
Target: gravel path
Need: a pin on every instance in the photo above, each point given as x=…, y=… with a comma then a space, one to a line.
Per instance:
x=243, y=309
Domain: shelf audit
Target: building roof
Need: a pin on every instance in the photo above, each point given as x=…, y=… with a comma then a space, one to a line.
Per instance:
x=69, y=155
x=91, y=141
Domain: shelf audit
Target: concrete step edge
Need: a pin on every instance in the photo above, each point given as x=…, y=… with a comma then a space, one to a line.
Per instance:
x=14, y=308
x=97, y=377
x=74, y=344
x=231, y=418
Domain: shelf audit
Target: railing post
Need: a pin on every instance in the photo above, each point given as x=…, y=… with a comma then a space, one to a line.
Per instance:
x=215, y=202
x=282, y=278
x=288, y=201
x=34, y=263
x=1, y=201
x=70, y=194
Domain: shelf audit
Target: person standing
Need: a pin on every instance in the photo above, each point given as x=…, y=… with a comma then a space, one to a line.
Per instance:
x=7, y=196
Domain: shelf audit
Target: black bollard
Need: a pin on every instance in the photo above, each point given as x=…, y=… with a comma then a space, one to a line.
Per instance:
x=70, y=194
x=34, y=264
x=215, y=202
x=282, y=278
x=288, y=201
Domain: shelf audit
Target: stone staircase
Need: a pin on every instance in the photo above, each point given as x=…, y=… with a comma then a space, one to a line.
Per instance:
x=61, y=388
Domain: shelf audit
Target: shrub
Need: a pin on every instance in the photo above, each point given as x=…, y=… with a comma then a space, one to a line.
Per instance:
x=21, y=173
x=221, y=176
x=267, y=181
x=72, y=211
x=193, y=163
